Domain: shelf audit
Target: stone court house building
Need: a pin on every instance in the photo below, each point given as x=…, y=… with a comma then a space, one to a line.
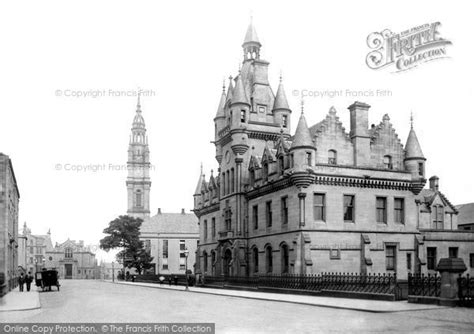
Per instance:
x=321, y=200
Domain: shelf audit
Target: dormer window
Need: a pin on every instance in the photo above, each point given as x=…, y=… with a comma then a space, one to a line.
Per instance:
x=265, y=171
x=438, y=217
x=332, y=157
x=281, y=164
x=387, y=162
x=252, y=177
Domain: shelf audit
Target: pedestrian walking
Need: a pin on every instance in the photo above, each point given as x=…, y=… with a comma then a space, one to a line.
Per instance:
x=21, y=281
x=28, y=280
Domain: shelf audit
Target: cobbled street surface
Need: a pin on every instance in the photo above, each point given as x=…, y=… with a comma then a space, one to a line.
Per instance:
x=97, y=301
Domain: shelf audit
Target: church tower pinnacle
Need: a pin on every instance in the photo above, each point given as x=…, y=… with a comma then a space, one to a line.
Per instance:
x=138, y=166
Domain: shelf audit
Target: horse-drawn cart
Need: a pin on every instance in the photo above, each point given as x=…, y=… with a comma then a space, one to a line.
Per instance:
x=47, y=278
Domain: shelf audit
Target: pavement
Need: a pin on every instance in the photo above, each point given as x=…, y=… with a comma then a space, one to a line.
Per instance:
x=24, y=301
x=20, y=301
x=374, y=306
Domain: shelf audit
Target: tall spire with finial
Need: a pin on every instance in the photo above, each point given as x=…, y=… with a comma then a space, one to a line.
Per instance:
x=251, y=43
x=138, y=180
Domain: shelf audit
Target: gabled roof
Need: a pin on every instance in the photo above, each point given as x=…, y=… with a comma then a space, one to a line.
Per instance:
x=212, y=182
x=268, y=153
x=255, y=162
x=427, y=197
x=466, y=213
x=171, y=223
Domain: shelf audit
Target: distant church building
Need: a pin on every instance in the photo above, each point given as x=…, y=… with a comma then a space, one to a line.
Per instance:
x=321, y=200
x=73, y=260
x=165, y=235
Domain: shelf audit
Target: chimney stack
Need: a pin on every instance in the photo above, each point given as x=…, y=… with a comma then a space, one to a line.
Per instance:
x=182, y=211
x=434, y=183
x=159, y=211
x=359, y=115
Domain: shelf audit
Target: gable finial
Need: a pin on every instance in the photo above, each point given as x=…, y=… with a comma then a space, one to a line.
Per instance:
x=201, y=167
x=223, y=85
x=281, y=76
x=411, y=119
x=302, y=105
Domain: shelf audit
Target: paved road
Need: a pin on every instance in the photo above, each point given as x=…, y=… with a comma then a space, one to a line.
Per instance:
x=94, y=301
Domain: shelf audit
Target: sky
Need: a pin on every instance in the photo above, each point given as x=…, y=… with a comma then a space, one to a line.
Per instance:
x=69, y=73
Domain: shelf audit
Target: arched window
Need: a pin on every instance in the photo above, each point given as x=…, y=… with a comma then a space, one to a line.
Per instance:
x=387, y=162
x=332, y=157
x=255, y=259
x=204, y=257
x=284, y=259
x=223, y=184
x=269, y=259
x=138, y=198
x=68, y=253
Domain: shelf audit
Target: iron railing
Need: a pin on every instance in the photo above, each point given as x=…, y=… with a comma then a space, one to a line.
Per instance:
x=466, y=290
x=347, y=282
x=424, y=285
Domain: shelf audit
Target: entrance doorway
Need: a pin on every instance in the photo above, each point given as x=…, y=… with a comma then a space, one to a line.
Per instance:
x=227, y=262
x=68, y=271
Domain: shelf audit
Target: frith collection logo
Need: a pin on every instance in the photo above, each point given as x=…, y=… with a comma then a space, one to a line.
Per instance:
x=407, y=49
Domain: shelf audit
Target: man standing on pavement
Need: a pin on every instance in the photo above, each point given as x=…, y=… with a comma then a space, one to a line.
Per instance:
x=28, y=281
x=21, y=281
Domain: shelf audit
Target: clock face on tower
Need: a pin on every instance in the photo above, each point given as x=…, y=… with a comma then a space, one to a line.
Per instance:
x=227, y=156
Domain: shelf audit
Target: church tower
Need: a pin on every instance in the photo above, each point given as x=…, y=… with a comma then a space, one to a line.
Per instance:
x=138, y=165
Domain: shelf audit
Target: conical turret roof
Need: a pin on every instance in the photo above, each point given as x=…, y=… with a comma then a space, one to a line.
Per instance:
x=220, y=108
x=251, y=35
x=412, y=147
x=280, y=99
x=302, y=136
x=239, y=95
x=199, y=184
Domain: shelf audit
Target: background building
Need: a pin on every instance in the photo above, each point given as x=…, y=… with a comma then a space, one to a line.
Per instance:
x=109, y=270
x=73, y=260
x=166, y=235
x=322, y=200
x=9, y=207
x=466, y=216
x=33, y=258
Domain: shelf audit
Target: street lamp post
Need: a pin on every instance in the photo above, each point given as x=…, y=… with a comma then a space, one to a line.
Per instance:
x=113, y=272
x=186, y=253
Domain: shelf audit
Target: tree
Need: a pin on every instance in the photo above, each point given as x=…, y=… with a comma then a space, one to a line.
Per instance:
x=124, y=233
